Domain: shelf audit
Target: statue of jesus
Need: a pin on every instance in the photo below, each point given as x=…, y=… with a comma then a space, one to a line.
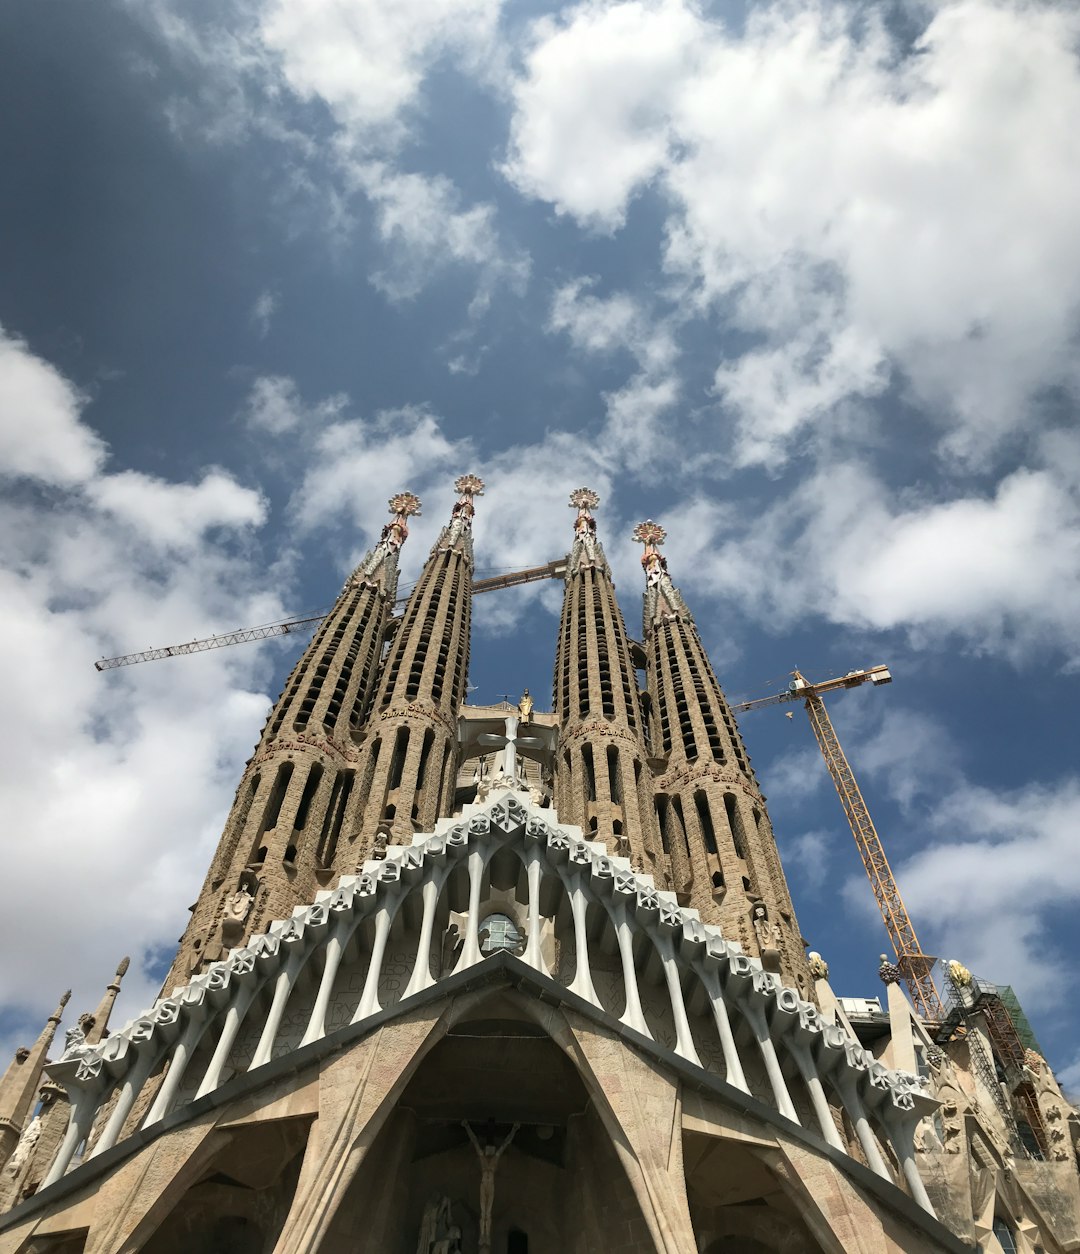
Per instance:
x=489, y=1159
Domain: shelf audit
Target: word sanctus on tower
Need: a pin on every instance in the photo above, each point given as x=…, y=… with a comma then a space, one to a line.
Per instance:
x=491, y=980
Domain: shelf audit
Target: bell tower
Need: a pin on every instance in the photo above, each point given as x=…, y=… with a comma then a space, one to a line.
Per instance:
x=281, y=840
x=714, y=824
x=409, y=758
x=600, y=775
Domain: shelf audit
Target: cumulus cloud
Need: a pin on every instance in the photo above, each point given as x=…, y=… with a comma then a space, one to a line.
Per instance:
x=869, y=210
x=41, y=436
x=998, y=569
x=420, y=220
x=117, y=783
x=1002, y=862
x=274, y=406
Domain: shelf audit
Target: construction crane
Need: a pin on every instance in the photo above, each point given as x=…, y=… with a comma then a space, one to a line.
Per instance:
x=915, y=965
x=510, y=579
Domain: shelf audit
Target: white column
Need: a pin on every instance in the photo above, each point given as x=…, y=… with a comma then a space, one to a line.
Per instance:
x=234, y=1017
x=901, y=1130
x=684, y=1039
x=533, y=955
x=178, y=1061
x=283, y=987
x=421, y=977
x=755, y=1016
x=632, y=1016
x=369, y=999
x=732, y=1061
x=804, y=1060
x=136, y=1077
x=849, y=1092
x=335, y=947
x=579, y=905
x=470, y=950
x=83, y=1110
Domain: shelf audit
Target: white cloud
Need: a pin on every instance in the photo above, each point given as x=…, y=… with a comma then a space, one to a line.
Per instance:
x=366, y=61
x=999, y=569
x=274, y=406
x=40, y=433
x=1002, y=861
x=863, y=207
x=263, y=310
x=116, y=784
x=424, y=229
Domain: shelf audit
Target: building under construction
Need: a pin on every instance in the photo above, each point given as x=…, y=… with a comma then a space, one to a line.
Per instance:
x=509, y=981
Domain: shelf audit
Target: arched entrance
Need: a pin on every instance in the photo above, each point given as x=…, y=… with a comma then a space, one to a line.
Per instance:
x=497, y=1100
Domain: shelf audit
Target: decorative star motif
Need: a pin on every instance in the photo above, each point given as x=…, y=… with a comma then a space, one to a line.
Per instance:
x=406, y=503
x=649, y=532
x=469, y=485
x=584, y=498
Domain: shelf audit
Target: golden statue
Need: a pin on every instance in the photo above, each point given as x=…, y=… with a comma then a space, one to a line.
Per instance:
x=525, y=707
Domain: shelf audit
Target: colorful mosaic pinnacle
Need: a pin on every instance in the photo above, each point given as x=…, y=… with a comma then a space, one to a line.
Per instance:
x=649, y=533
x=583, y=499
x=405, y=505
x=469, y=485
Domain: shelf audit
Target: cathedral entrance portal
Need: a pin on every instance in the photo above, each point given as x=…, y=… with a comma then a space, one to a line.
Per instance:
x=494, y=1148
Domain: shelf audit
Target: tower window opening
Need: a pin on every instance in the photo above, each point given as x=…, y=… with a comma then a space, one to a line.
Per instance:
x=677, y=810
x=701, y=804
x=731, y=806
x=425, y=754
x=311, y=787
x=660, y=805
x=277, y=797
x=397, y=762
x=590, y=773
x=335, y=816
x=718, y=879
x=614, y=783
x=499, y=932
x=290, y=854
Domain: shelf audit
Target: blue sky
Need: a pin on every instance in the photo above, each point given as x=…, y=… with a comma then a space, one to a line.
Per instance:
x=801, y=282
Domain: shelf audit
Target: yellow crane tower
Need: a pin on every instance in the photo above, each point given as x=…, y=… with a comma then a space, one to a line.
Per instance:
x=915, y=965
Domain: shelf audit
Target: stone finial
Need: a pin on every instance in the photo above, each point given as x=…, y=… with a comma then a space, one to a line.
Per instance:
x=405, y=505
x=650, y=534
x=958, y=973
x=819, y=968
x=583, y=500
x=889, y=972
x=469, y=486
x=122, y=967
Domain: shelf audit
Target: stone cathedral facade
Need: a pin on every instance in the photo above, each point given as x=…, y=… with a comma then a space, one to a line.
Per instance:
x=488, y=980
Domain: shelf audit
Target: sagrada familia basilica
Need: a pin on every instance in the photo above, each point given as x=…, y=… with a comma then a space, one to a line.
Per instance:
x=489, y=980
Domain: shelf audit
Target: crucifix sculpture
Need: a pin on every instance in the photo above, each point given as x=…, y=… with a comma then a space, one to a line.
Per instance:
x=489, y=1160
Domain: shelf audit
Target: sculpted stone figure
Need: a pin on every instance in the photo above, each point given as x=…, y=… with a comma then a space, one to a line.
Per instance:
x=489, y=1160
x=768, y=937
x=438, y=1233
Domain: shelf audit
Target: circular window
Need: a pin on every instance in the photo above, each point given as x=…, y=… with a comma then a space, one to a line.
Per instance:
x=499, y=931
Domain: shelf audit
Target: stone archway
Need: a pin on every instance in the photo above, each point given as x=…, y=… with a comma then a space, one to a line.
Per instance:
x=239, y=1202
x=737, y=1204
x=559, y=1187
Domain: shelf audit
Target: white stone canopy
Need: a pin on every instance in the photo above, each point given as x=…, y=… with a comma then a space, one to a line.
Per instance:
x=388, y=934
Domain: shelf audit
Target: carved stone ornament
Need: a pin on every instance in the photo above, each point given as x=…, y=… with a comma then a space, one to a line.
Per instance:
x=889, y=972
x=819, y=968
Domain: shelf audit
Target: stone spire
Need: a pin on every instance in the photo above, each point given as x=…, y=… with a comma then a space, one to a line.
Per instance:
x=409, y=756
x=96, y=1025
x=601, y=766
x=713, y=821
x=282, y=840
x=21, y=1081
